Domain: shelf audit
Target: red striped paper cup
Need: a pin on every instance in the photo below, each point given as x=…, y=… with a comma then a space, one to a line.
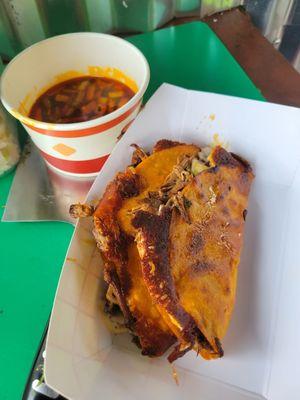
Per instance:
x=82, y=148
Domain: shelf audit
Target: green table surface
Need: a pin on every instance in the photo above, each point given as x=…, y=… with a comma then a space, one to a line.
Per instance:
x=32, y=254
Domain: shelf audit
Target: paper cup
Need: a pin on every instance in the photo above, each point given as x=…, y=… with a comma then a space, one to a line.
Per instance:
x=78, y=148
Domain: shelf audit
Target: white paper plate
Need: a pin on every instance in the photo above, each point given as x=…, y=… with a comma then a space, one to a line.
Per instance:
x=262, y=346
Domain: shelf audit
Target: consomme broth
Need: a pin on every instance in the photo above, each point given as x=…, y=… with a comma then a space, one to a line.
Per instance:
x=80, y=99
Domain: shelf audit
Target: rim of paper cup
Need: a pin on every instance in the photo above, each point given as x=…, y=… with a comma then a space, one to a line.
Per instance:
x=85, y=124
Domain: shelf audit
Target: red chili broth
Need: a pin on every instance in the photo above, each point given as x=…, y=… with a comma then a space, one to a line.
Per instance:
x=80, y=99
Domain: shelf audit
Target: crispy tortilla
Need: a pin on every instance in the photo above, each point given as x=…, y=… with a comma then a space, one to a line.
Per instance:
x=190, y=264
x=115, y=238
